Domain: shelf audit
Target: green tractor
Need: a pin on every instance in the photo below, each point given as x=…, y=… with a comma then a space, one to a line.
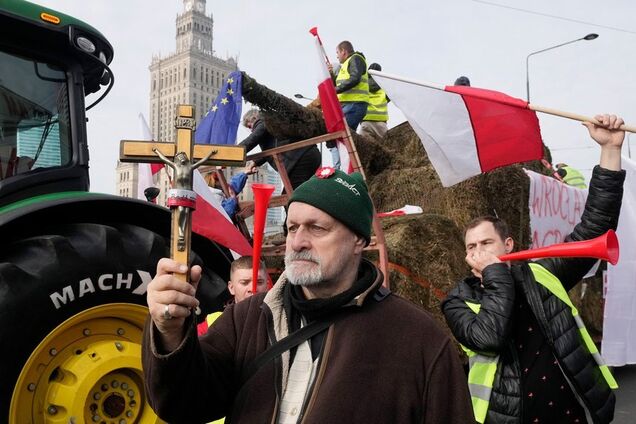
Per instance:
x=74, y=265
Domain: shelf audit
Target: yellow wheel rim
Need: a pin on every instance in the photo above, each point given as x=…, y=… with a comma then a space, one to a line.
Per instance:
x=87, y=370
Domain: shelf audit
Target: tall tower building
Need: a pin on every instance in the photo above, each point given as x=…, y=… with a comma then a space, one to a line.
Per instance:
x=190, y=75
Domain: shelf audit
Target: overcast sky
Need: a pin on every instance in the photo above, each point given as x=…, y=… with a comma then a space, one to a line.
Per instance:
x=429, y=40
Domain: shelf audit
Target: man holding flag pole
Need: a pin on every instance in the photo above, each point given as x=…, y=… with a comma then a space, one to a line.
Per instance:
x=335, y=119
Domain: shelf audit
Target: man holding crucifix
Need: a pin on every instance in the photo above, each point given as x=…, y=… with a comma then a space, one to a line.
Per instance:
x=326, y=344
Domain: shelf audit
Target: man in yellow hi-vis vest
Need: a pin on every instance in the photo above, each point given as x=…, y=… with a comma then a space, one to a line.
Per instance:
x=352, y=87
x=530, y=357
x=571, y=176
x=374, y=123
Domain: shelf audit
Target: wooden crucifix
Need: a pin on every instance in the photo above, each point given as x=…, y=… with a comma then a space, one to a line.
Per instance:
x=183, y=157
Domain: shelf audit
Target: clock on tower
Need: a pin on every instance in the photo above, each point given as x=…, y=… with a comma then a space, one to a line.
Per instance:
x=200, y=6
x=188, y=6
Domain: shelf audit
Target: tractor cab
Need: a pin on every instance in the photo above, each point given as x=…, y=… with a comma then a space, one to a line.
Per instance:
x=50, y=62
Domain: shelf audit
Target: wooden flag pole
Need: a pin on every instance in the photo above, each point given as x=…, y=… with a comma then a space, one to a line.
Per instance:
x=574, y=116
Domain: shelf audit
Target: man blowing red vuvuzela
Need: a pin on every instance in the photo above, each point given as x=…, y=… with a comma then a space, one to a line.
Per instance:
x=328, y=344
x=531, y=359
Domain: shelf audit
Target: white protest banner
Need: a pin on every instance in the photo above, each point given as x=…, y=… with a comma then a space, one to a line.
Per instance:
x=555, y=208
x=619, y=317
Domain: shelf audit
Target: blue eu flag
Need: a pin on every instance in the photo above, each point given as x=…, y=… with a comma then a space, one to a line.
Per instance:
x=220, y=124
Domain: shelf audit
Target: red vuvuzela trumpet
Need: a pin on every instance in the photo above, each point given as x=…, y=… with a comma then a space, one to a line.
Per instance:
x=262, y=194
x=603, y=247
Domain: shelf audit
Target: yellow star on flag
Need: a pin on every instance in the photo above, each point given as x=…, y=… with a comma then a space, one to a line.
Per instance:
x=230, y=80
x=230, y=91
x=214, y=108
x=224, y=100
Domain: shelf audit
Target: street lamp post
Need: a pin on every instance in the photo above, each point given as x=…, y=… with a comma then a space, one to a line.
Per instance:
x=300, y=96
x=588, y=37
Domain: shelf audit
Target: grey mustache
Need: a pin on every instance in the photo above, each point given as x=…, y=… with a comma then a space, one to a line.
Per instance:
x=303, y=256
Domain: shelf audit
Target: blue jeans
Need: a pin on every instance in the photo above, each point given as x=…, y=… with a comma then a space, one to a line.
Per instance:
x=353, y=112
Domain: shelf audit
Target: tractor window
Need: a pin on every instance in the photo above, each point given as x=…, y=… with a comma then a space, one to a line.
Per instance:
x=34, y=116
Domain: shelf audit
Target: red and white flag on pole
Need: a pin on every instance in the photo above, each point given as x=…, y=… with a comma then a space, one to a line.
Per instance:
x=331, y=109
x=465, y=130
x=209, y=218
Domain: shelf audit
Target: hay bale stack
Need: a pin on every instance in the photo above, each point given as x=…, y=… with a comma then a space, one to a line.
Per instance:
x=411, y=179
x=431, y=248
x=283, y=117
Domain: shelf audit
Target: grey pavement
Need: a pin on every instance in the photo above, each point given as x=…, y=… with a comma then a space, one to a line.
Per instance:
x=625, y=412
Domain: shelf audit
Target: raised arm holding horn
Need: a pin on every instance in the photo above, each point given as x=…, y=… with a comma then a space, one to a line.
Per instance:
x=518, y=318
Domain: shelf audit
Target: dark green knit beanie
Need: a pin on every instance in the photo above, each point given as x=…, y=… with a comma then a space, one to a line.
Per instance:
x=341, y=195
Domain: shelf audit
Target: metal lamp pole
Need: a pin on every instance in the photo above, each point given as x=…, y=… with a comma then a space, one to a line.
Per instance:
x=588, y=37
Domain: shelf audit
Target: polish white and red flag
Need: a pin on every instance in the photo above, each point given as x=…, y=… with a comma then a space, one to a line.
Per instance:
x=331, y=109
x=465, y=130
x=405, y=210
x=209, y=219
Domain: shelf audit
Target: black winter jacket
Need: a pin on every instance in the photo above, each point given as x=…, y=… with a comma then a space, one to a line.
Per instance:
x=489, y=331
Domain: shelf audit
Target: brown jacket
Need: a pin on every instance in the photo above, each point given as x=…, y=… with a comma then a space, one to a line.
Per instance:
x=386, y=361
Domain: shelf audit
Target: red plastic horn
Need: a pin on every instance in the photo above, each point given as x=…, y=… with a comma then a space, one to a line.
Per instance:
x=262, y=194
x=603, y=247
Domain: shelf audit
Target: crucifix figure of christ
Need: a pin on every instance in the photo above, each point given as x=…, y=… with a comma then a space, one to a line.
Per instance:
x=180, y=157
x=182, y=196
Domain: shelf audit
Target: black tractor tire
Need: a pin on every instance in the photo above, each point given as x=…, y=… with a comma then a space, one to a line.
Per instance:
x=47, y=278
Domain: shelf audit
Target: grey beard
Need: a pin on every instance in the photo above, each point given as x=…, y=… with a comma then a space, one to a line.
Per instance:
x=305, y=278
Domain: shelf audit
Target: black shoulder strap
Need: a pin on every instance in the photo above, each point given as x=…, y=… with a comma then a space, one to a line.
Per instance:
x=277, y=349
x=296, y=338
x=283, y=345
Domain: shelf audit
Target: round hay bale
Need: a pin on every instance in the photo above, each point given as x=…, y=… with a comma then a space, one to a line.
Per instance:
x=431, y=248
x=372, y=153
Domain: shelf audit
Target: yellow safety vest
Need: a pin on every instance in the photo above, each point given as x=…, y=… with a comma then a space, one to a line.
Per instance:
x=377, y=109
x=481, y=376
x=359, y=93
x=482, y=368
x=573, y=177
x=550, y=282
